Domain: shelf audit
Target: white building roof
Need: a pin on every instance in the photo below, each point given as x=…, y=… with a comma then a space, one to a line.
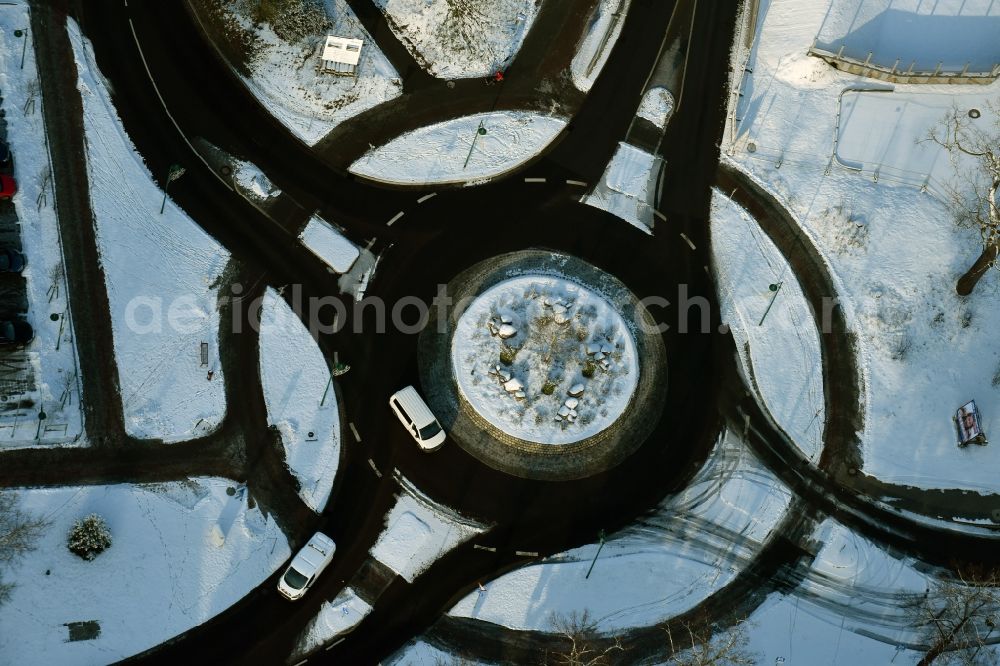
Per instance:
x=342, y=50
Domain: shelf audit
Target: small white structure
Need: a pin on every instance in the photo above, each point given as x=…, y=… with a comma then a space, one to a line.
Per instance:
x=341, y=55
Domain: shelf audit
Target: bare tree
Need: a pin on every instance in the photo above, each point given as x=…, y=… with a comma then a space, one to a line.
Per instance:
x=18, y=532
x=959, y=619
x=585, y=648
x=696, y=643
x=975, y=195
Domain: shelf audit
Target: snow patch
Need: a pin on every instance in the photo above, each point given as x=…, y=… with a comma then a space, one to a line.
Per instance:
x=437, y=153
x=626, y=189
x=161, y=273
x=296, y=379
x=329, y=245
x=163, y=558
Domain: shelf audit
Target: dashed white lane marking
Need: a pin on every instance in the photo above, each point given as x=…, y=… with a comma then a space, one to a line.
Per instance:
x=374, y=468
x=534, y=180
x=491, y=549
x=578, y=183
x=660, y=215
x=525, y=553
x=354, y=431
x=688, y=241
x=427, y=197
x=395, y=219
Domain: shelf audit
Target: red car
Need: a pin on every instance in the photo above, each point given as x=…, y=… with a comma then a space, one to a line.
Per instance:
x=8, y=187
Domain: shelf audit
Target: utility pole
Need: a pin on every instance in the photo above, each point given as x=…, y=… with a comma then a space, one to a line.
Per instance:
x=600, y=537
x=175, y=172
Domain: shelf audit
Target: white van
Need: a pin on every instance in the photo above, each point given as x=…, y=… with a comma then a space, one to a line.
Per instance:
x=417, y=417
x=306, y=566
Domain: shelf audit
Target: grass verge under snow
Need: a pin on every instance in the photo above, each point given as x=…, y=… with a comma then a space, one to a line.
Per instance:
x=161, y=272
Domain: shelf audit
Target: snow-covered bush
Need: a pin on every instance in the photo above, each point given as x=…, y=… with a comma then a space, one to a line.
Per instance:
x=89, y=537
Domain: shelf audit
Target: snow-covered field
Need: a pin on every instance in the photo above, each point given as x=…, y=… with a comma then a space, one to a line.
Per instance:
x=296, y=380
x=693, y=546
x=437, y=153
x=419, y=531
x=162, y=274
x=162, y=575
x=53, y=372
x=284, y=76
x=329, y=245
x=784, y=350
x=559, y=332
x=603, y=29
x=461, y=39
x=627, y=188
x=951, y=32
x=656, y=106
x=893, y=250
x=849, y=610
x=335, y=618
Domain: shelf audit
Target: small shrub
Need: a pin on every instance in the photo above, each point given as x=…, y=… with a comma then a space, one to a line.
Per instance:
x=589, y=368
x=508, y=354
x=549, y=387
x=89, y=537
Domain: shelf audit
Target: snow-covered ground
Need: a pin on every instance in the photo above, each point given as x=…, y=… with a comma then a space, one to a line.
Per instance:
x=694, y=545
x=301, y=402
x=421, y=653
x=49, y=366
x=162, y=274
x=951, y=32
x=464, y=39
x=162, y=575
x=437, y=153
x=627, y=188
x=310, y=103
x=329, y=245
x=893, y=249
x=419, y=531
x=851, y=607
x=253, y=182
x=603, y=29
x=656, y=106
x=561, y=331
x=335, y=618
x=784, y=350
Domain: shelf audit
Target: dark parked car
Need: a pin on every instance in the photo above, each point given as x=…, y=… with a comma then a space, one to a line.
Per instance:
x=8, y=187
x=11, y=261
x=15, y=332
x=4, y=154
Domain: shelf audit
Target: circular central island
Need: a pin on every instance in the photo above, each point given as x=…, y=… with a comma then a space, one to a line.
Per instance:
x=543, y=366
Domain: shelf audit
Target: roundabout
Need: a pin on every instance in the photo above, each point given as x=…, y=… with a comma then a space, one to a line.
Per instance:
x=543, y=366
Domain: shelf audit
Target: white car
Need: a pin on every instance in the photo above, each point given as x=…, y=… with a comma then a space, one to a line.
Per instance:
x=306, y=566
x=418, y=419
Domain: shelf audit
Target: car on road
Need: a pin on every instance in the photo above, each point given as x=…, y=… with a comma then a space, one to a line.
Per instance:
x=8, y=187
x=11, y=261
x=15, y=332
x=418, y=419
x=306, y=567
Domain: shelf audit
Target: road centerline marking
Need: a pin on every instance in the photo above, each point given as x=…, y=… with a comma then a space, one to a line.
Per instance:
x=395, y=218
x=426, y=197
x=354, y=431
x=535, y=180
x=688, y=241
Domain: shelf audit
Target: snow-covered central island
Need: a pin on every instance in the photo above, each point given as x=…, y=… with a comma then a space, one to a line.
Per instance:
x=545, y=359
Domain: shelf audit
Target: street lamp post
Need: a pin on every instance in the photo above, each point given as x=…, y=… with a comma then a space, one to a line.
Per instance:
x=24, y=47
x=600, y=537
x=775, y=288
x=479, y=132
x=175, y=172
